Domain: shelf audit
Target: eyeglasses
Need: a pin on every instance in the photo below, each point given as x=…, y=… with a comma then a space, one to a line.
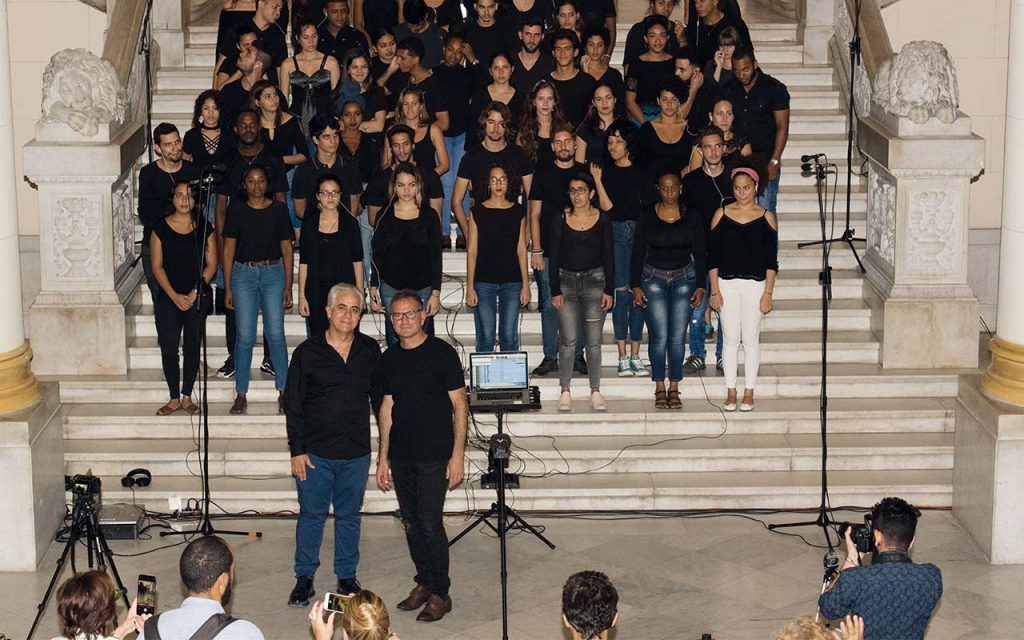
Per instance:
x=407, y=315
x=578, y=190
x=329, y=194
x=498, y=179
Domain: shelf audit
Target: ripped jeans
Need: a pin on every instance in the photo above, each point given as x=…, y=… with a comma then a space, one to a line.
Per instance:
x=581, y=294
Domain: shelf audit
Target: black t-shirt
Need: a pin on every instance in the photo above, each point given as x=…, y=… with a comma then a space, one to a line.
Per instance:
x=552, y=189
x=393, y=86
x=258, y=232
x=418, y=381
x=156, y=187
x=348, y=38
x=755, y=110
x=288, y=139
x=235, y=97
x=497, y=257
x=184, y=254
x=704, y=194
x=618, y=85
x=364, y=163
x=512, y=18
x=379, y=13
x=407, y=253
x=195, y=145
x=433, y=93
x=329, y=257
x=485, y=41
x=432, y=39
x=376, y=194
x=704, y=38
x=476, y=164
x=657, y=156
x=635, y=44
x=631, y=190
x=307, y=174
x=575, y=95
x=594, y=12
x=644, y=78
x=480, y=100
x=669, y=245
x=523, y=79
x=458, y=86
x=277, y=180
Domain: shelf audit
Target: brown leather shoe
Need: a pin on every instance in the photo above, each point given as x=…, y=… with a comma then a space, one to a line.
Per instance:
x=435, y=609
x=417, y=598
x=241, y=405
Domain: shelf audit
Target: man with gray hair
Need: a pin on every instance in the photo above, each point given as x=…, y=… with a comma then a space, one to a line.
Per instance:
x=333, y=384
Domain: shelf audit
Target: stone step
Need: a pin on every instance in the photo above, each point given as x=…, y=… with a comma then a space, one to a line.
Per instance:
x=789, y=347
x=270, y=458
x=774, y=381
x=630, y=418
x=604, y=491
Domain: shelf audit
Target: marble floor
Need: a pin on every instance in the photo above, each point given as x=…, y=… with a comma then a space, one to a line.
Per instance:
x=677, y=578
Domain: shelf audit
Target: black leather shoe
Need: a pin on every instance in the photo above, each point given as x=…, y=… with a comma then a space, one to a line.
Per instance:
x=546, y=366
x=349, y=587
x=302, y=592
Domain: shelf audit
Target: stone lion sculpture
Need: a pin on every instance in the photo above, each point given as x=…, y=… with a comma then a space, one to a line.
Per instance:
x=82, y=91
x=919, y=82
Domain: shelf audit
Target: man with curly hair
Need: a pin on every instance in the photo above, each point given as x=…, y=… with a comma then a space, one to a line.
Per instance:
x=589, y=605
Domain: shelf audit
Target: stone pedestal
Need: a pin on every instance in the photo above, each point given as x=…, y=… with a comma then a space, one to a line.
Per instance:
x=916, y=256
x=988, y=472
x=817, y=23
x=32, y=457
x=169, y=22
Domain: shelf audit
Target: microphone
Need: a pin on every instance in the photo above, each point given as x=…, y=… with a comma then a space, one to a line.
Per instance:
x=809, y=158
x=206, y=179
x=220, y=167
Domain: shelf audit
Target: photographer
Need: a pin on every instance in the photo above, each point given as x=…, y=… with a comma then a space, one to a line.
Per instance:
x=894, y=595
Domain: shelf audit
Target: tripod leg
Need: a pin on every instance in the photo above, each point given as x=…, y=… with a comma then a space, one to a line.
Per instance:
x=860, y=265
x=481, y=519
x=68, y=551
x=103, y=549
x=516, y=518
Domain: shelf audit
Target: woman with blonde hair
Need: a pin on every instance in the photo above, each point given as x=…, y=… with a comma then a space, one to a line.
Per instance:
x=365, y=618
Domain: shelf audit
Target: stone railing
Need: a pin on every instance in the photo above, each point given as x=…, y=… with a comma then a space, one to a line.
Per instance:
x=82, y=161
x=921, y=156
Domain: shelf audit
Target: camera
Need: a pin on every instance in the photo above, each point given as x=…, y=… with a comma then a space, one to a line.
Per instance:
x=863, y=535
x=82, y=485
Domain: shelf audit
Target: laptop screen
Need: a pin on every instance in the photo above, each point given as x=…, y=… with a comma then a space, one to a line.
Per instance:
x=498, y=370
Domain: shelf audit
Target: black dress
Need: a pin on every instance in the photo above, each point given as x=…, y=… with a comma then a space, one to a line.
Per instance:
x=311, y=94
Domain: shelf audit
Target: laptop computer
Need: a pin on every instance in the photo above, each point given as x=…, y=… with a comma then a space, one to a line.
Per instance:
x=498, y=379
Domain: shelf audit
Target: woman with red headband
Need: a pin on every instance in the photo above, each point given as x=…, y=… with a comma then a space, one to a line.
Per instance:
x=743, y=263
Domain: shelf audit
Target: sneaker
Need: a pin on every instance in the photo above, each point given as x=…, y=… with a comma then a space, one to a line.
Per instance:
x=579, y=365
x=637, y=365
x=302, y=593
x=548, y=365
x=693, y=365
x=268, y=368
x=227, y=370
x=597, y=402
x=719, y=365
x=349, y=586
x=565, y=401
x=624, y=369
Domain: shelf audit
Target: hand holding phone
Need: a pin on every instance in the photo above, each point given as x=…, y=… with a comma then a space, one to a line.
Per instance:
x=146, y=595
x=335, y=602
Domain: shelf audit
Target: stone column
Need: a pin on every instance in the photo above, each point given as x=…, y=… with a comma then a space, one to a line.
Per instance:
x=18, y=387
x=817, y=20
x=169, y=22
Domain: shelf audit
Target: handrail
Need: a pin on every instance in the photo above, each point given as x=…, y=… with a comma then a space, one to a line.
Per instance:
x=127, y=19
x=875, y=45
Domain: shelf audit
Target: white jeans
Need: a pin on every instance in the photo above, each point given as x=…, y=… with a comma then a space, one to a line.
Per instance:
x=741, y=319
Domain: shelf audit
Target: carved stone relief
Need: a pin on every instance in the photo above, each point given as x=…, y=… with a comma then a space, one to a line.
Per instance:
x=919, y=83
x=77, y=241
x=862, y=85
x=932, y=241
x=882, y=218
x=82, y=91
x=123, y=223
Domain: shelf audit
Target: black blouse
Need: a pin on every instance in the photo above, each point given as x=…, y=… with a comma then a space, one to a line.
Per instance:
x=184, y=254
x=578, y=251
x=645, y=77
x=329, y=257
x=407, y=253
x=669, y=245
x=497, y=255
x=288, y=140
x=195, y=145
x=258, y=232
x=658, y=156
x=631, y=190
x=744, y=250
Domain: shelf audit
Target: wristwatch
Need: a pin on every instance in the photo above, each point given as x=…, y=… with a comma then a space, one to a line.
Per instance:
x=775, y=162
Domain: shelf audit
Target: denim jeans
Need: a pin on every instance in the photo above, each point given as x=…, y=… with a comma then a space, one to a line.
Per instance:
x=340, y=483
x=581, y=294
x=770, y=198
x=627, y=319
x=498, y=301
x=387, y=293
x=548, y=316
x=366, y=235
x=147, y=270
x=456, y=149
x=254, y=289
x=668, y=312
x=420, y=488
x=698, y=329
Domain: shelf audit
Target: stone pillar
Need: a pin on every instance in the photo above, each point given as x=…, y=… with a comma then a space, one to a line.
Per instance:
x=817, y=21
x=916, y=256
x=988, y=457
x=169, y=23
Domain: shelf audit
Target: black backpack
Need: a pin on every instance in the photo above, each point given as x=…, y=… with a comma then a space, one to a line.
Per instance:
x=213, y=626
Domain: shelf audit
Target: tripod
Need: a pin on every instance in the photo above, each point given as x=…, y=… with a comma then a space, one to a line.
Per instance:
x=84, y=524
x=848, y=236
x=501, y=445
x=205, y=527
x=825, y=279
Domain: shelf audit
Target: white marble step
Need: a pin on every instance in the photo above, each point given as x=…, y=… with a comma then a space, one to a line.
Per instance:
x=630, y=418
x=611, y=491
x=774, y=381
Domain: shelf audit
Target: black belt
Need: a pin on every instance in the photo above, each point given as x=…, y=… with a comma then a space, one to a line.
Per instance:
x=260, y=263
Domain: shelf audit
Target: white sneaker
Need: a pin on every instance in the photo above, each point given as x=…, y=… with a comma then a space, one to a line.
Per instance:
x=597, y=402
x=637, y=365
x=625, y=370
x=565, y=402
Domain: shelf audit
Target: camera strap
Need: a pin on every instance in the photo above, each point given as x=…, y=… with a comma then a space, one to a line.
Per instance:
x=891, y=556
x=208, y=631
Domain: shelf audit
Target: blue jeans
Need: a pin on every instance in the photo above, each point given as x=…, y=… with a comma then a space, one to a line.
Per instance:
x=770, y=198
x=698, y=329
x=340, y=483
x=387, y=293
x=627, y=319
x=366, y=235
x=548, y=315
x=456, y=149
x=254, y=289
x=497, y=301
x=668, y=312
x=296, y=221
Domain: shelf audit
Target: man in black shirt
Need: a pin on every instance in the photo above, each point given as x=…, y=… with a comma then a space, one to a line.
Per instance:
x=599, y=13
x=704, y=191
x=333, y=380
x=253, y=63
x=575, y=88
x=546, y=204
x=156, y=185
x=495, y=129
x=400, y=141
x=269, y=33
x=419, y=24
x=703, y=29
x=457, y=81
x=531, y=63
x=410, y=61
x=337, y=37
x=700, y=96
x=761, y=106
x=483, y=37
x=423, y=421
x=325, y=134
x=227, y=68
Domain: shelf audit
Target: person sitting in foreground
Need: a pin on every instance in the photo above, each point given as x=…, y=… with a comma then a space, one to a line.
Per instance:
x=365, y=618
x=805, y=628
x=589, y=605
x=86, y=604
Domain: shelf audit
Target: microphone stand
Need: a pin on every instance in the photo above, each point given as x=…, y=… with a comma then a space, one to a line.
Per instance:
x=849, y=235
x=205, y=526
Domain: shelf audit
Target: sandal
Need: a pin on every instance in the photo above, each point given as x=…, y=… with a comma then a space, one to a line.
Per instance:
x=167, y=409
x=673, y=400
x=660, y=399
x=190, y=407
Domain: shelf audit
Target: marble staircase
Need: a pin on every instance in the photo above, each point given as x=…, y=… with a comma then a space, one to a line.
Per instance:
x=891, y=430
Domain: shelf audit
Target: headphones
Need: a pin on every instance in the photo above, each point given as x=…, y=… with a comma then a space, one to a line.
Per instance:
x=137, y=478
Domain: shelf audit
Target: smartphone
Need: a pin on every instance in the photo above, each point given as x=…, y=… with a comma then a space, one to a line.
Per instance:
x=146, y=595
x=335, y=602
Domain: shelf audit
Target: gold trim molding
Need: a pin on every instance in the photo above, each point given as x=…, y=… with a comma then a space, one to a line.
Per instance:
x=1004, y=379
x=19, y=388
